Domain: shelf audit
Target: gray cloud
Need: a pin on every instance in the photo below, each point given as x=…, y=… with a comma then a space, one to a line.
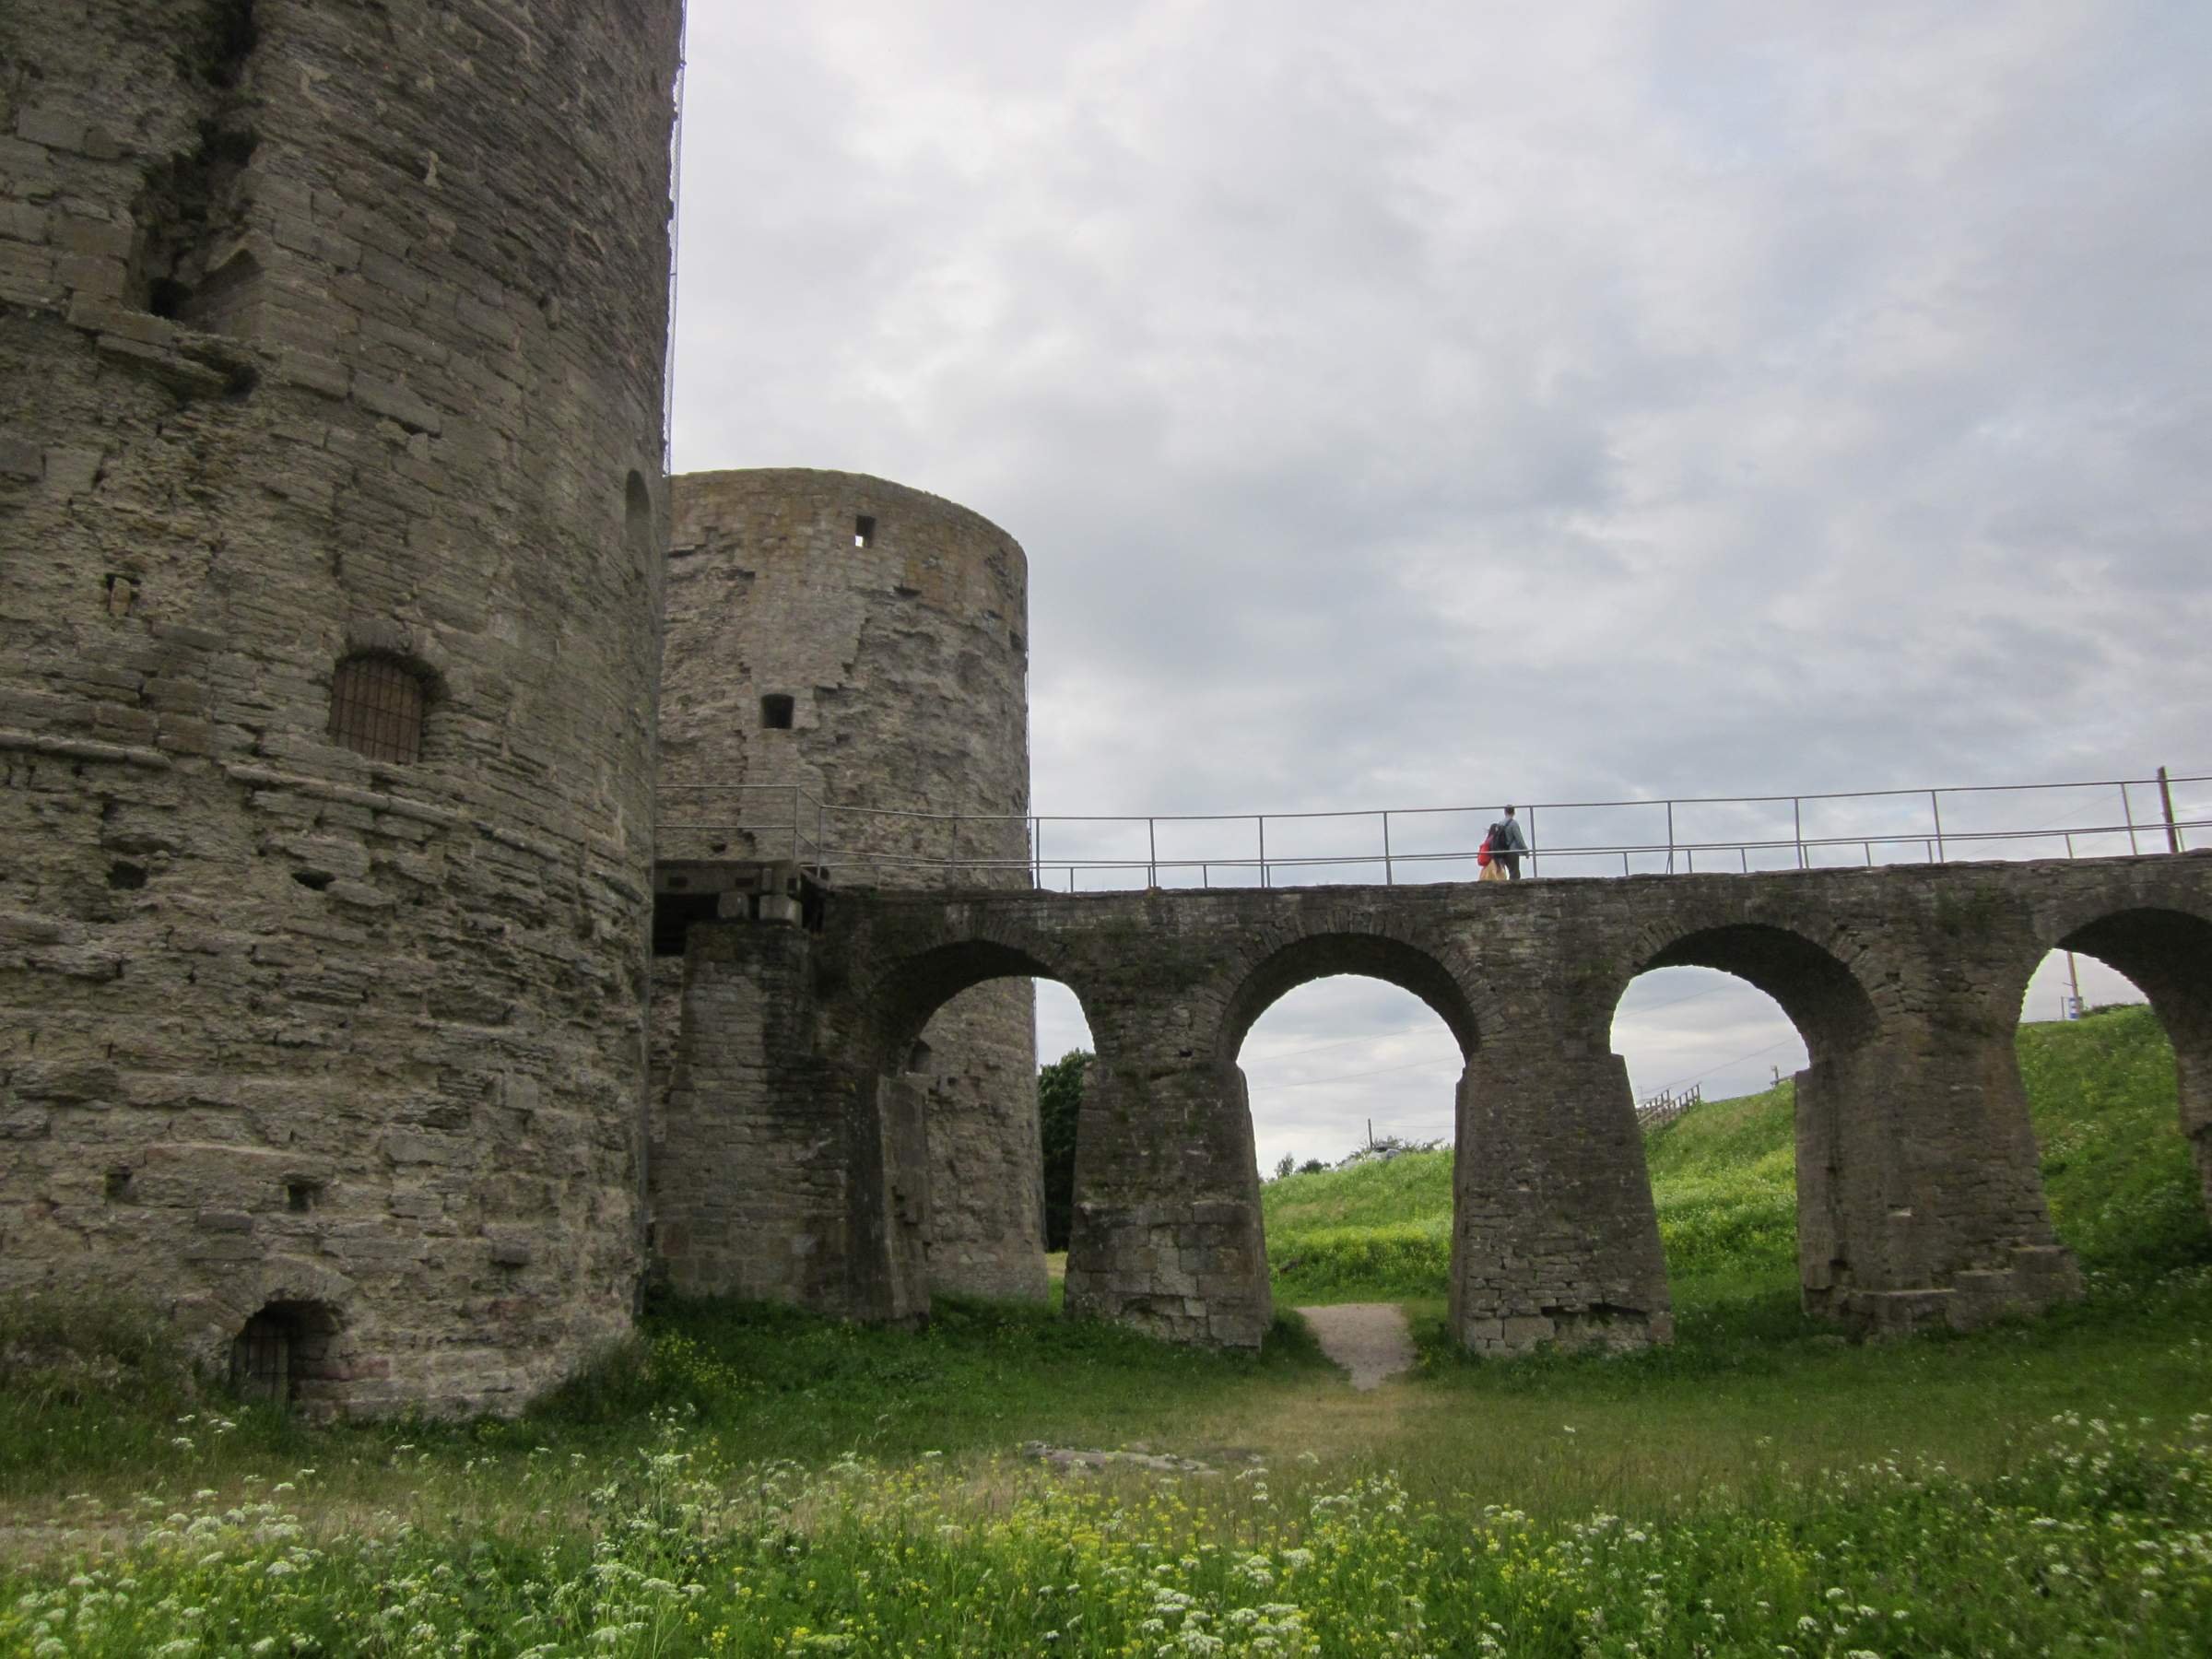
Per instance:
x=1406, y=406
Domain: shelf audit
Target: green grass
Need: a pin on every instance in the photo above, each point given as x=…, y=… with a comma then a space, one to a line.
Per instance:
x=750, y=1481
x=2122, y=1190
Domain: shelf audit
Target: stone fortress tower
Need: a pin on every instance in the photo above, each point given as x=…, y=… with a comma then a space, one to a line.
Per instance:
x=853, y=645
x=331, y=406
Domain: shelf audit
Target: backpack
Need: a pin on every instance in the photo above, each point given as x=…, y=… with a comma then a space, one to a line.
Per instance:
x=1496, y=840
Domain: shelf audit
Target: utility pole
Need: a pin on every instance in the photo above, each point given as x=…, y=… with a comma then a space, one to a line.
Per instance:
x=2174, y=835
x=2074, y=979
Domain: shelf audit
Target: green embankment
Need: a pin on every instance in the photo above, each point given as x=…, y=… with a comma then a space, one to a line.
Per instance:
x=2122, y=1188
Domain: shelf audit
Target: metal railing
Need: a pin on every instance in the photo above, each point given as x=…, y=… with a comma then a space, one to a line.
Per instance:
x=1700, y=834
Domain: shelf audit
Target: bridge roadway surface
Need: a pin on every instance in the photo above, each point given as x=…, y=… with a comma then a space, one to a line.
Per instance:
x=787, y=1160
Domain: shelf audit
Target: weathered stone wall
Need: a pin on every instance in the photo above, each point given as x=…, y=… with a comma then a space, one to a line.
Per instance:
x=906, y=671
x=1919, y=1200
x=325, y=330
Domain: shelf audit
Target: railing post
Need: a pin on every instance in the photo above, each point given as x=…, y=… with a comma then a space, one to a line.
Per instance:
x=1151, y=852
x=2174, y=833
x=1797, y=829
x=1036, y=851
x=2127, y=810
x=1389, y=876
x=1262, y=822
x=1670, y=838
x=1936, y=808
x=1531, y=844
x=798, y=806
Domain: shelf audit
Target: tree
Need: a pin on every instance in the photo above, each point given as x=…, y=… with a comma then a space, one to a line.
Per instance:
x=1059, y=1102
x=1285, y=1165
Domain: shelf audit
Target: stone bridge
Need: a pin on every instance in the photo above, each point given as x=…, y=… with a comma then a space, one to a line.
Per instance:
x=789, y=1159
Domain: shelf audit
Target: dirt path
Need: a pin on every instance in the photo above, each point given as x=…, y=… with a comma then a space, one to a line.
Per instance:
x=1371, y=1340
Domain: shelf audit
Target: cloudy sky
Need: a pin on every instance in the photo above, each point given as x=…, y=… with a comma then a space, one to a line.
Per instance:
x=1419, y=405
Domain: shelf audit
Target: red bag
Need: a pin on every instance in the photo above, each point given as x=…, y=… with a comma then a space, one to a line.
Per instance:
x=1482, y=855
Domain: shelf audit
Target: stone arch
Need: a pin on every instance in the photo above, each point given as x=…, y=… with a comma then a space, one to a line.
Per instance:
x=1260, y=981
x=1822, y=995
x=902, y=999
x=2167, y=950
x=953, y=1087
x=313, y=1308
x=1836, y=1110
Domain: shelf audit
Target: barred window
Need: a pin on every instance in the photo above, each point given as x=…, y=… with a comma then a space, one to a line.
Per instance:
x=376, y=708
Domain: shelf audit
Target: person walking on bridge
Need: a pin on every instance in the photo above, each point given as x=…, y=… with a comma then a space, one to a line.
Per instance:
x=1506, y=845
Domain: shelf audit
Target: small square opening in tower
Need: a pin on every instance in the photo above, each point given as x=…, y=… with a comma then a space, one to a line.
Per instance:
x=776, y=711
x=864, y=531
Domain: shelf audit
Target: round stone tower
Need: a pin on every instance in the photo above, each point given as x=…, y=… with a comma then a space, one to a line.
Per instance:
x=331, y=524
x=840, y=647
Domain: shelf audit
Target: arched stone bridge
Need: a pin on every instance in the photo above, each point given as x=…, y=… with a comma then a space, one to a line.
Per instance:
x=789, y=1161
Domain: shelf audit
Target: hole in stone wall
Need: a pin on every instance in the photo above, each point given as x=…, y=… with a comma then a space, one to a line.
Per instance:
x=673, y=914
x=918, y=1056
x=122, y=592
x=286, y=1346
x=776, y=711
x=190, y=206
x=864, y=531
x=301, y=1196
x=314, y=880
x=116, y=1188
x=376, y=705
x=637, y=520
x=126, y=876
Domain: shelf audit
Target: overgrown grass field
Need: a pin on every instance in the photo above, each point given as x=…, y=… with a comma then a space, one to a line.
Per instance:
x=743, y=1480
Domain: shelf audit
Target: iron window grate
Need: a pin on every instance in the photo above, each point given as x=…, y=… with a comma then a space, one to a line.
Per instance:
x=376, y=708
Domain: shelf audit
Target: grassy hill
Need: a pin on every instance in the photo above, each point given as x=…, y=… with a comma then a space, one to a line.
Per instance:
x=2120, y=1185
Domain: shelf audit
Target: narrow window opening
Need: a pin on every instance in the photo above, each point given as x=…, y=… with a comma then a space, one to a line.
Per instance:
x=776, y=711
x=126, y=876
x=864, y=531
x=116, y=1188
x=637, y=521
x=918, y=1057
x=314, y=880
x=376, y=708
x=301, y=1196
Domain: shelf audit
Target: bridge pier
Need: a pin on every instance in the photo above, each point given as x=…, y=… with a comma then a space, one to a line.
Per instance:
x=1544, y=1248
x=1920, y=1199
x=1166, y=1235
